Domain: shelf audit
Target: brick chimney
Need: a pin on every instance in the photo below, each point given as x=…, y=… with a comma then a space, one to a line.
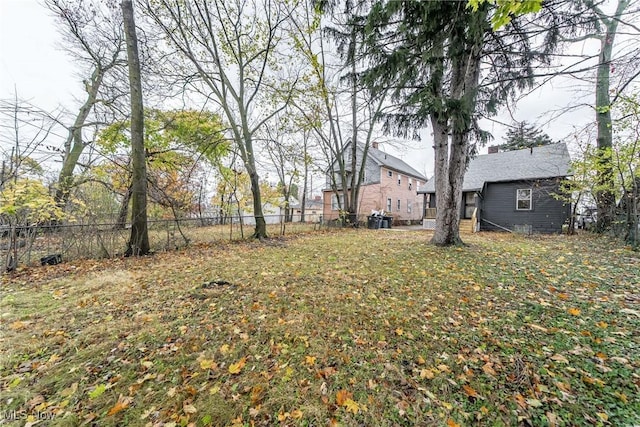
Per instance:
x=493, y=149
x=374, y=144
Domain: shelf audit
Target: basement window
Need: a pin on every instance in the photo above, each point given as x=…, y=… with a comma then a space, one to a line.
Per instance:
x=523, y=199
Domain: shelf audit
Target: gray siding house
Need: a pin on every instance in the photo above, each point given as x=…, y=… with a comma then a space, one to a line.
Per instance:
x=513, y=190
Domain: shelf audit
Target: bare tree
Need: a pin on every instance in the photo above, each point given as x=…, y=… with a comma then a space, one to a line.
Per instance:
x=94, y=38
x=25, y=130
x=139, y=238
x=231, y=49
x=344, y=133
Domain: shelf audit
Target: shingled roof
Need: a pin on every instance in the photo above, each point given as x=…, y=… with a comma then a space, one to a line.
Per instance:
x=546, y=161
x=393, y=163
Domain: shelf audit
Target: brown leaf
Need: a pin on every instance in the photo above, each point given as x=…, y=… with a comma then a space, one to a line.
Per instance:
x=470, y=391
x=342, y=396
x=487, y=368
x=122, y=403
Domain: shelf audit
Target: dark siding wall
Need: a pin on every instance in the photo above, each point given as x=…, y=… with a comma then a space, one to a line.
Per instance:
x=547, y=215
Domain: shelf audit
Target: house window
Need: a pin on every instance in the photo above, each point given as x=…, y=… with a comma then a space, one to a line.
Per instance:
x=398, y=205
x=389, y=205
x=399, y=179
x=523, y=199
x=390, y=174
x=334, y=202
x=417, y=185
x=408, y=206
x=410, y=184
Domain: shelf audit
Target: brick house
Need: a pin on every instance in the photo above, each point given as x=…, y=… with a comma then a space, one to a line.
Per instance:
x=389, y=184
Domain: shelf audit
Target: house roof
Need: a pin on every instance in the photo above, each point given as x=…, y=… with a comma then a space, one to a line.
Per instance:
x=391, y=162
x=546, y=161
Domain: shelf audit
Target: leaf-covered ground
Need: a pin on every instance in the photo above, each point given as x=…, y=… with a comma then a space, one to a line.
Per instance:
x=357, y=327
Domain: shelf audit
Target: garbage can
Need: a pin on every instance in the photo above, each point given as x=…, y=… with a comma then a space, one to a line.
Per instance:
x=373, y=222
x=388, y=220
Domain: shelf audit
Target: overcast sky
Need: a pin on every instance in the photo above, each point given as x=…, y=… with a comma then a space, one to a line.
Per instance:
x=32, y=64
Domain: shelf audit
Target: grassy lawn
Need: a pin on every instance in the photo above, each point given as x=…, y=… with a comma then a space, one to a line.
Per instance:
x=356, y=327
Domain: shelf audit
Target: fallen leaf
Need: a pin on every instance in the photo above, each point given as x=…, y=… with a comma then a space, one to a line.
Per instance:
x=351, y=405
x=208, y=364
x=559, y=358
x=427, y=373
x=342, y=396
x=471, y=392
x=574, y=311
x=452, y=423
x=487, y=368
x=122, y=404
x=235, y=368
x=98, y=391
x=189, y=409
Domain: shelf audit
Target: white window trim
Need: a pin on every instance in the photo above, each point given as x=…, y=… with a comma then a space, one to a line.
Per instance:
x=389, y=203
x=530, y=199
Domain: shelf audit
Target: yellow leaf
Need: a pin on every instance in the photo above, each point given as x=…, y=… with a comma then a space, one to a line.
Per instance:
x=224, y=348
x=602, y=416
x=621, y=396
x=399, y=331
x=208, y=364
x=235, y=368
x=574, y=311
x=452, y=423
x=296, y=414
x=352, y=406
x=426, y=373
x=443, y=368
x=421, y=360
x=603, y=325
x=310, y=360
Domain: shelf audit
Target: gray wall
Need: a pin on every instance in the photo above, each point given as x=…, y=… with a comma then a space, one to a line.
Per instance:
x=547, y=216
x=372, y=170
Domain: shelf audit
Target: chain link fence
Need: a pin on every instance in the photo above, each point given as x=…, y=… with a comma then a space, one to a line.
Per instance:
x=51, y=244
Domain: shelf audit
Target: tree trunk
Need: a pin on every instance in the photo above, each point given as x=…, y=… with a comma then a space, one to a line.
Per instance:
x=139, y=238
x=74, y=144
x=123, y=213
x=452, y=159
x=447, y=231
x=260, y=231
x=605, y=198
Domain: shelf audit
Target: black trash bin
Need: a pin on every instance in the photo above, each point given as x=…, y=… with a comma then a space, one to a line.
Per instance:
x=373, y=222
x=387, y=220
